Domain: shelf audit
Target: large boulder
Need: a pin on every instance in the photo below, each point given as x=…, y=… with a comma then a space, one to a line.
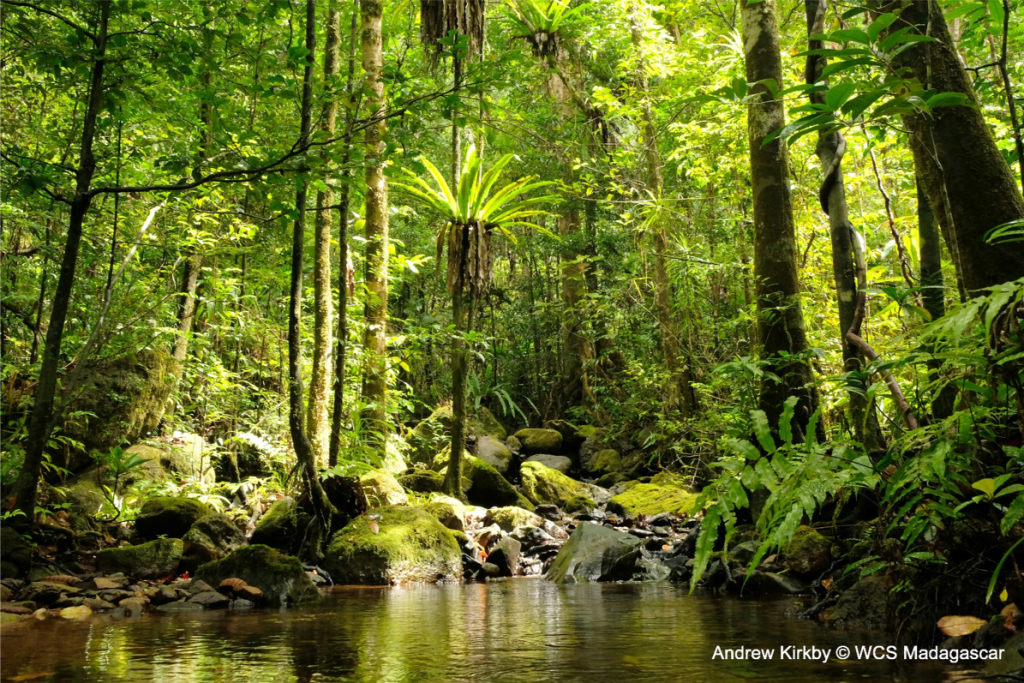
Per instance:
x=126, y=396
x=168, y=516
x=862, y=606
x=488, y=488
x=545, y=486
x=431, y=434
x=449, y=511
x=572, y=437
x=210, y=539
x=539, y=440
x=486, y=424
x=595, y=553
x=282, y=526
x=555, y=462
x=494, y=453
x=421, y=481
x=381, y=488
x=605, y=461
x=154, y=560
x=392, y=545
x=281, y=577
x=664, y=494
x=511, y=518
x=809, y=553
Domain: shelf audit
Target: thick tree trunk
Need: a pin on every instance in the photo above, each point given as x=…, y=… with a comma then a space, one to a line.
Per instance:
x=317, y=423
x=579, y=352
x=376, y=218
x=680, y=393
x=780, y=317
x=842, y=233
x=969, y=174
x=39, y=423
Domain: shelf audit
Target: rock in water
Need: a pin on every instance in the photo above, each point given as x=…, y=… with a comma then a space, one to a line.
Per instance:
x=595, y=553
x=663, y=494
x=381, y=488
x=862, y=606
x=543, y=485
x=555, y=462
x=280, y=526
x=494, y=453
x=539, y=440
x=153, y=560
x=168, y=516
x=506, y=556
x=391, y=545
x=809, y=553
x=210, y=539
x=281, y=577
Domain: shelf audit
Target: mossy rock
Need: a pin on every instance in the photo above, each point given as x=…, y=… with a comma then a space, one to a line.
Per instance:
x=652, y=499
x=15, y=553
x=428, y=435
x=381, y=488
x=168, y=516
x=611, y=479
x=809, y=553
x=493, y=452
x=154, y=560
x=450, y=512
x=539, y=440
x=421, y=481
x=281, y=577
x=440, y=461
x=510, y=518
x=211, y=538
x=280, y=526
x=392, y=545
x=605, y=461
x=488, y=488
x=486, y=424
x=545, y=486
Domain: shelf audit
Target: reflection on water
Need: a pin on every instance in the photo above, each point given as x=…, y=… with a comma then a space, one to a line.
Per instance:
x=523, y=630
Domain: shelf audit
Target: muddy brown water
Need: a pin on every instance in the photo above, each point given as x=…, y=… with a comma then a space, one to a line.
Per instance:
x=525, y=630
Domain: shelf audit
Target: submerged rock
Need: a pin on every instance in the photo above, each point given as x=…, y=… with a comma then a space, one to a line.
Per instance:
x=539, y=440
x=393, y=545
x=543, y=485
x=169, y=516
x=281, y=577
x=153, y=560
x=663, y=494
x=555, y=462
x=381, y=488
x=595, y=553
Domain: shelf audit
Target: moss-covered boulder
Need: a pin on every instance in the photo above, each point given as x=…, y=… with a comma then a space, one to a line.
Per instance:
x=555, y=462
x=421, y=481
x=281, y=577
x=392, y=545
x=539, y=440
x=510, y=518
x=168, y=516
x=494, y=453
x=430, y=434
x=280, y=526
x=154, y=560
x=486, y=424
x=809, y=553
x=210, y=539
x=595, y=553
x=449, y=511
x=488, y=488
x=381, y=488
x=664, y=493
x=605, y=461
x=571, y=436
x=545, y=486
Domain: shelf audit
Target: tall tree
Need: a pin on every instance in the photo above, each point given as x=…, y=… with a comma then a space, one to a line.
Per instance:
x=780, y=316
x=375, y=340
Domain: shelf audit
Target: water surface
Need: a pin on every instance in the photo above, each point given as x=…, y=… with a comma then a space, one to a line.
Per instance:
x=524, y=630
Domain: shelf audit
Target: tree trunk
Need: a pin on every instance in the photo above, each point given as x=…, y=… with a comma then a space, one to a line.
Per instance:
x=969, y=174
x=39, y=423
x=453, y=477
x=780, y=318
x=680, y=393
x=832, y=197
x=344, y=264
x=376, y=218
x=933, y=293
x=317, y=423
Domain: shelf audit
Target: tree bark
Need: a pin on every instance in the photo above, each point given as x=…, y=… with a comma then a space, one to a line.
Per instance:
x=317, y=423
x=39, y=424
x=376, y=219
x=969, y=174
x=933, y=293
x=780, y=317
x=453, y=477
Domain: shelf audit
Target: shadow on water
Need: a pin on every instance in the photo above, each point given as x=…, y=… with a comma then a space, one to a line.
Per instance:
x=521, y=630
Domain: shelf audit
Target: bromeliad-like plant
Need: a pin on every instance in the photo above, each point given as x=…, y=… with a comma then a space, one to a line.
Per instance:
x=541, y=22
x=471, y=214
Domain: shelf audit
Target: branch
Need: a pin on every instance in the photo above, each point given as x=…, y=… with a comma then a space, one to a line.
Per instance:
x=19, y=252
x=16, y=3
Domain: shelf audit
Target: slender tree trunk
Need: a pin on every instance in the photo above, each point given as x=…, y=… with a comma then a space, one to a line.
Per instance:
x=968, y=175
x=39, y=423
x=832, y=197
x=680, y=393
x=376, y=219
x=317, y=424
x=933, y=293
x=780, y=317
x=453, y=477
x=344, y=260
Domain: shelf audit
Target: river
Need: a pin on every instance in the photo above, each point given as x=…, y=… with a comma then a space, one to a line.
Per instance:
x=522, y=631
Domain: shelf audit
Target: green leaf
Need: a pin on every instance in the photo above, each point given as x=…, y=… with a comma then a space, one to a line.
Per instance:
x=847, y=35
x=995, y=11
x=986, y=486
x=880, y=24
x=1014, y=513
x=946, y=99
x=762, y=431
x=838, y=94
x=786, y=420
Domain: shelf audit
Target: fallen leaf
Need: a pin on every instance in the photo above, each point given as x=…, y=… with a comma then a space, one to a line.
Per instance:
x=770, y=558
x=827, y=584
x=1003, y=596
x=1011, y=610
x=374, y=527
x=233, y=584
x=29, y=677
x=960, y=626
